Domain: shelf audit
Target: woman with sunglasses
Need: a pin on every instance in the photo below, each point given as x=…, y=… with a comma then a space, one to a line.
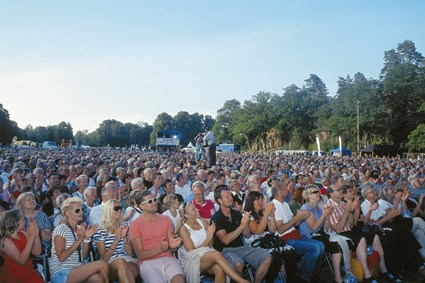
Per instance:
x=196, y=255
x=70, y=245
x=17, y=245
x=113, y=245
x=312, y=228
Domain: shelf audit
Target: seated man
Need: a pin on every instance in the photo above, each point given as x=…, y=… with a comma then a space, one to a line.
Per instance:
x=311, y=250
x=227, y=237
x=151, y=236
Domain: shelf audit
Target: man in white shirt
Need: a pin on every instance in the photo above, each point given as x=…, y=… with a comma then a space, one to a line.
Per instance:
x=311, y=250
x=182, y=187
x=108, y=192
x=209, y=138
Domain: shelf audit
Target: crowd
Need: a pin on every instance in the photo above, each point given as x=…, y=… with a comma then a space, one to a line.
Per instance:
x=101, y=215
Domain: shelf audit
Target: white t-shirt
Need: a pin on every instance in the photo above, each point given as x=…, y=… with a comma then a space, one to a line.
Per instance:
x=283, y=212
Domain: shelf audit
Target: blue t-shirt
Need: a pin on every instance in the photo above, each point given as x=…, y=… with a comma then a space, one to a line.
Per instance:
x=305, y=230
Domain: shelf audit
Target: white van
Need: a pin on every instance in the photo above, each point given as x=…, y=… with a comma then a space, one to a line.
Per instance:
x=50, y=144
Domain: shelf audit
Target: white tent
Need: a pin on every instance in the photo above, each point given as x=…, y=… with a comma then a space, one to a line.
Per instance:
x=190, y=145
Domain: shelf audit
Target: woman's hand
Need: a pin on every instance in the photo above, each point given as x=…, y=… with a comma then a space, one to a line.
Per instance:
x=270, y=209
x=211, y=231
x=33, y=230
x=124, y=230
x=90, y=231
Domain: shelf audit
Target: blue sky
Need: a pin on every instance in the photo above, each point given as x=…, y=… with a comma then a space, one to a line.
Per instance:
x=87, y=61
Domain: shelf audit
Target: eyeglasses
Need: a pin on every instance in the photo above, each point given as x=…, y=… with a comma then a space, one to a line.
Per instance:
x=150, y=201
x=116, y=208
x=314, y=192
x=77, y=210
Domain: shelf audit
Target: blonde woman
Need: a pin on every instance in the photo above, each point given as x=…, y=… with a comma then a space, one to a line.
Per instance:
x=70, y=245
x=196, y=255
x=113, y=245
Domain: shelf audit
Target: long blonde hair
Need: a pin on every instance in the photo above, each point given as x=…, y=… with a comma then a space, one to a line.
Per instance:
x=107, y=222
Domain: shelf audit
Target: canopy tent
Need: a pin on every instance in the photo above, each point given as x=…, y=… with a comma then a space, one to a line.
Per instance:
x=345, y=152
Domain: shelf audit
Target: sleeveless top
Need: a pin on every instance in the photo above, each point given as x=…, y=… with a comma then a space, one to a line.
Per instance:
x=197, y=236
x=14, y=272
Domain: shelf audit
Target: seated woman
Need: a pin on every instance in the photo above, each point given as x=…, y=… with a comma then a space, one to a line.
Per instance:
x=262, y=223
x=133, y=211
x=172, y=204
x=195, y=255
x=297, y=200
x=27, y=204
x=312, y=228
x=16, y=246
x=70, y=245
x=113, y=246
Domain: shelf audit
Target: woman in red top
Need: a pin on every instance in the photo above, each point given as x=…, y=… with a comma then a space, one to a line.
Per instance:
x=16, y=245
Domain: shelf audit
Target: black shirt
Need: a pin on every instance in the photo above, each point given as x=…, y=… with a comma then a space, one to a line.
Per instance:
x=229, y=225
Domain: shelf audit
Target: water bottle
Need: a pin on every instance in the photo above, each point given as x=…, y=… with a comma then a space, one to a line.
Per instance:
x=369, y=250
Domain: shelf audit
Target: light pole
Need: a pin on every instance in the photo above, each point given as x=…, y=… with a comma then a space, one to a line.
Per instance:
x=358, y=127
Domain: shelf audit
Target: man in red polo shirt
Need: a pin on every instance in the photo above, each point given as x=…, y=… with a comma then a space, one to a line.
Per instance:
x=205, y=207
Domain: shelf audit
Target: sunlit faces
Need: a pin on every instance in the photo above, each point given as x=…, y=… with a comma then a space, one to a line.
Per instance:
x=258, y=204
x=29, y=202
x=76, y=212
x=191, y=212
x=149, y=204
x=226, y=199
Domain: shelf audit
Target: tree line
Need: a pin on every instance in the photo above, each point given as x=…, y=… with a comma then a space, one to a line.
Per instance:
x=391, y=111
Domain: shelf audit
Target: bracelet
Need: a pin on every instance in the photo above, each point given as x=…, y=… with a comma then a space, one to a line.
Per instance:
x=87, y=241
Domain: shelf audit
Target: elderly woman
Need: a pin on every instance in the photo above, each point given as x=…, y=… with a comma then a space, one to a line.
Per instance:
x=70, y=245
x=113, y=245
x=195, y=255
x=26, y=203
x=57, y=218
x=16, y=246
x=82, y=182
x=137, y=184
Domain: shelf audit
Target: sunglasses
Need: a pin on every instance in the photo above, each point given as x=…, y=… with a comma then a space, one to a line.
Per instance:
x=117, y=208
x=314, y=192
x=150, y=201
x=77, y=210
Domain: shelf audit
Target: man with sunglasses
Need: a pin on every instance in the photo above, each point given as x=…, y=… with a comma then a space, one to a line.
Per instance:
x=151, y=236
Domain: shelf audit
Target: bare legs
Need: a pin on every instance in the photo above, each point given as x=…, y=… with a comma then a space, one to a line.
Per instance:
x=97, y=271
x=125, y=271
x=215, y=263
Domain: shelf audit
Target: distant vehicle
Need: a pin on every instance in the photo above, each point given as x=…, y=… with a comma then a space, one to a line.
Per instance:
x=50, y=144
x=20, y=144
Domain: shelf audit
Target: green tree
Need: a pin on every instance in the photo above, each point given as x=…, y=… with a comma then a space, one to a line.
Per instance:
x=403, y=91
x=9, y=128
x=416, y=139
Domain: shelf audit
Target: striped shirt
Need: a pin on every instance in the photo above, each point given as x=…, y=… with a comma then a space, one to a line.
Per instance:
x=73, y=260
x=102, y=236
x=337, y=214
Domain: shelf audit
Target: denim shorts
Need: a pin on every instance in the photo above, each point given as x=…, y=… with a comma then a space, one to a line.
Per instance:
x=61, y=276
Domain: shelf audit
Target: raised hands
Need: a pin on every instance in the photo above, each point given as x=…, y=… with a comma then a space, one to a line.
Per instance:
x=327, y=211
x=302, y=215
x=163, y=244
x=270, y=209
x=33, y=230
x=245, y=219
x=211, y=231
x=89, y=231
x=374, y=206
x=174, y=242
